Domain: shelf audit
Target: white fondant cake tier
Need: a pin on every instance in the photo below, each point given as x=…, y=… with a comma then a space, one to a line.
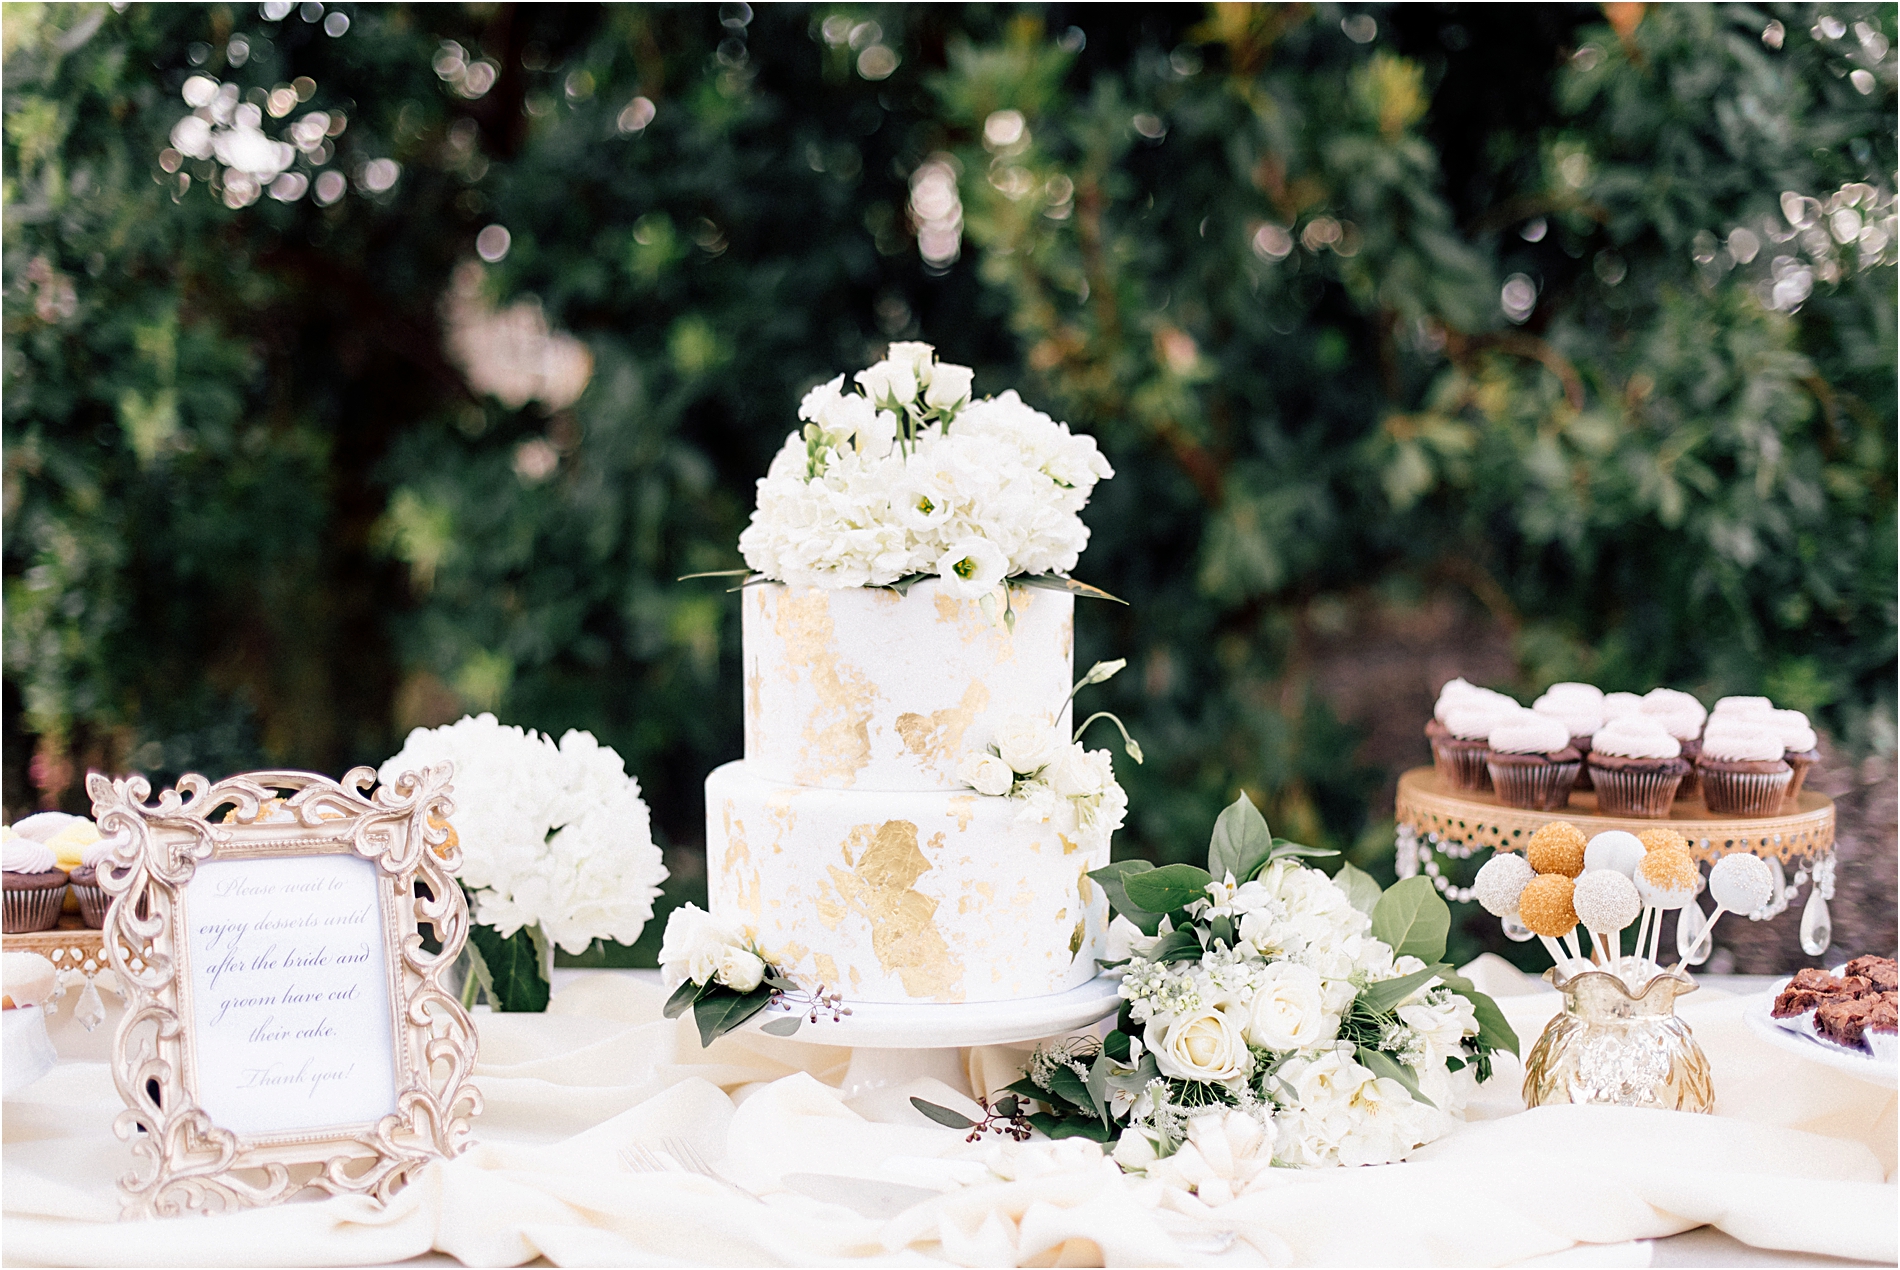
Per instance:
x=903, y=896
x=864, y=689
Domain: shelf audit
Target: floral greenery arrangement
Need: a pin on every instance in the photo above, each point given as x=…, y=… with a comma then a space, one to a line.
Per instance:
x=556, y=848
x=912, y=478
x=1271, y=1015
x=717, y=970
x=1056, y=780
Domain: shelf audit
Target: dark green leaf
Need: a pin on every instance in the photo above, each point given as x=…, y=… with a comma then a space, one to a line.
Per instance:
x=943, y=1115
x=1380, y=997
x=1071, y=1127
x=1167, y=888
x=1178, y=945
x=1050, y=582
x=1380, y=1063
x=1241, y=842
x=1494, y=1030
x=514, y=967
x=1413, y=919
x=1283, y=848
x=1008, y=1106
x=682, y=998
x=1111, y=879
x=1361, y=891
x=1029, y=1089
x=1115, y=1045
x=715, y=573
x=718, y=1013
x=1071, y=1088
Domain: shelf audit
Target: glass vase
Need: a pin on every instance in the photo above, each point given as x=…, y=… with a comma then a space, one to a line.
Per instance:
x=1619, y=1046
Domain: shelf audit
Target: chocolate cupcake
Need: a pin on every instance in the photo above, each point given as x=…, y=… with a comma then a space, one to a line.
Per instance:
x=32, y=888
x=1532, y=763
x=1742, y=770
x=1800, y=748
x=1458, y=752
x=1636, y=766
x=1579, y=712
x=1684, y=717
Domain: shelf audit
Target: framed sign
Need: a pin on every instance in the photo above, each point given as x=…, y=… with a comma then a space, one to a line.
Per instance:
x=287, y=1024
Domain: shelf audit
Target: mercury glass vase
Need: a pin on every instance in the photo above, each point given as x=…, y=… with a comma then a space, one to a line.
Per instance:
x=1619, y=1046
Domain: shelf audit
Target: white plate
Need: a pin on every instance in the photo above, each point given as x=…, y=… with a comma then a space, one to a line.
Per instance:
x=1860, y=1066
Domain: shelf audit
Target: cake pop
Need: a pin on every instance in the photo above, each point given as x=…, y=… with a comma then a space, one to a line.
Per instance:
x=1547, y=908
x=1616, y=850
x=1500, y=882
x=1557, y=848
x=1666, y=879
x=1661, y=837
x=1606, y=903
x=1738, y=883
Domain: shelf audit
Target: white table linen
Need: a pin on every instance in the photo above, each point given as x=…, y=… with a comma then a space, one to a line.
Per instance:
x=1797, y=1157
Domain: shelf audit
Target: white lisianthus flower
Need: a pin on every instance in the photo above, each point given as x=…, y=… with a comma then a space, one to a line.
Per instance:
x=1288, y=1011
x=741, y=969
x=986, y=774
x=695, y=945
x=1385, y=1121
x=889, y=382
x=949, y=386
x=1203, y=1046
x=1076, y=773
x=972, y=568
x=1027, y=743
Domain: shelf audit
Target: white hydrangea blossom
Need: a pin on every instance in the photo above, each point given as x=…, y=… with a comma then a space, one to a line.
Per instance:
x=911, y=476
x=551, y=835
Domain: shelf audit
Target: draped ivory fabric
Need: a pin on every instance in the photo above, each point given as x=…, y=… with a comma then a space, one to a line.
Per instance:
x=1797, y=1157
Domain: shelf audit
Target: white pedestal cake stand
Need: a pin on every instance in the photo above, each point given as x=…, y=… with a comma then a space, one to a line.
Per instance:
x=895, y=1043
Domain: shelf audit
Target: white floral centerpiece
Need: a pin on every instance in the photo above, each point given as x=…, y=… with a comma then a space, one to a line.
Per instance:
x=1271, y=1015
x=556, y=844
x=912, y=477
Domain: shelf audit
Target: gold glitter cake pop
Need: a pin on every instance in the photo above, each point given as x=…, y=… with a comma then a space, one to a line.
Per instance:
x=1557, y=848
x=1546, y=907
x=1662, y=838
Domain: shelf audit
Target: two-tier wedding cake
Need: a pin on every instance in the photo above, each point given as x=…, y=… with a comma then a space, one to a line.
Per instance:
x=914, y=820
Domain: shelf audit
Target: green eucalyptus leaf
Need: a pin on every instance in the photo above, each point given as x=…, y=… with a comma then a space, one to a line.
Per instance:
x=786, y=1026
x=943, y=1115
x=1413, y=919
x=1361, y=891
x=1167, y=888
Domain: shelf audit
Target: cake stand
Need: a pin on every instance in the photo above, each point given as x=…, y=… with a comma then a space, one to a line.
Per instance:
x=893, y=1043
x=1436, y=821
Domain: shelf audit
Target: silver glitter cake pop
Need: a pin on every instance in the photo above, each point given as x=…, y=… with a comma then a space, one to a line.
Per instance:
x=1615, y=849
x=1501, y=881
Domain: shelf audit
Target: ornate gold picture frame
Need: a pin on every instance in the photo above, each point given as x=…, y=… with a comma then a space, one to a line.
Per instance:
x=270, y=931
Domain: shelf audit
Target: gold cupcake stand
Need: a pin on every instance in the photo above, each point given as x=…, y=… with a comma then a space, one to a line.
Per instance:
x=1437, y=823
x=79, y=961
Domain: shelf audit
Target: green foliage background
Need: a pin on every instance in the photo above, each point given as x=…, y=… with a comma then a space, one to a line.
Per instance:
x=255, y=517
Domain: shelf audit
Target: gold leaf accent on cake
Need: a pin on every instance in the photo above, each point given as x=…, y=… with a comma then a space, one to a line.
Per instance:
x=827, y=969
x=736, y=866
x=973, y=624
x=1075, y=938
x=754, y=704
x=963, y=807
x=1068, y=847
x=837, y=735
x=904, y=934
x=937, y=737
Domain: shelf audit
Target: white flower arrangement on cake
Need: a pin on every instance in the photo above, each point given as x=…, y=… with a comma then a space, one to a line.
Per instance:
x=717, y=970
x=555, y=840
x=1058, y=782
x=911, y=478
x=1271, y=1015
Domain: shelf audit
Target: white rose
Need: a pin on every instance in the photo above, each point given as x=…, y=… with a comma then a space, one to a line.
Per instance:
x=1442, y=1027
x=986, y=773
x=1205, y=1046
x=972, y=568
x=1076, y=774
x=1136, y=1152
x=1026, y=743
x=1289, y=1010
x=740, y=970
x=887, y=382
x=914, y=355
x=949, y=386
x=694, y=945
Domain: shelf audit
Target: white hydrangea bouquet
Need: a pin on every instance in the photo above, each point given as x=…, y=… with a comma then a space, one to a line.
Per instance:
x=1271, y=1015
x=1055, y=779
x=912, y=478
x=557, y=848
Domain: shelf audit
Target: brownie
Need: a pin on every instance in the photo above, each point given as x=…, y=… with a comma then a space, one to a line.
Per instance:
x=1884, y=1017
x=1810, y=988
x=1879, y=971
x=1843, y=1021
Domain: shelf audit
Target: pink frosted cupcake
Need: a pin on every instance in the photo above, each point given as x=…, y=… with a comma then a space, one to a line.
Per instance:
x=1800, y=748
x=1532, y=763
x=1636, y=766
x=1579, y=712
x=1743, y=773
x=1683, y=716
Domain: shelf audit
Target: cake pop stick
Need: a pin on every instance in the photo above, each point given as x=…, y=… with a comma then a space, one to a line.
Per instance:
x=1739, y=883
